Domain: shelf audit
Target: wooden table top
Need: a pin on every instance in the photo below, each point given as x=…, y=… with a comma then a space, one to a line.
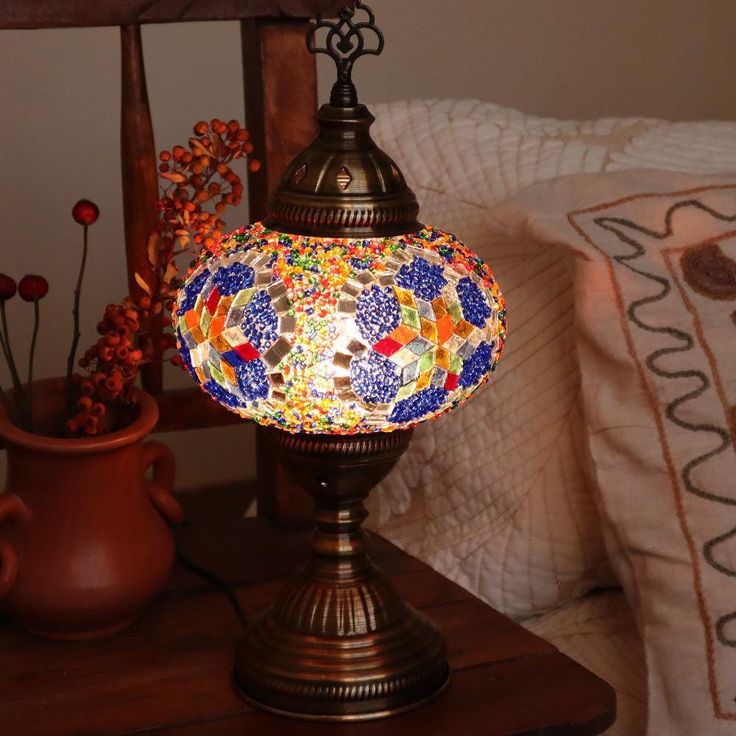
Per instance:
x=170, y=672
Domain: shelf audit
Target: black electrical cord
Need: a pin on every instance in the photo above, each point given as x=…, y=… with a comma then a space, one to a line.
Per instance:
x=215, y=581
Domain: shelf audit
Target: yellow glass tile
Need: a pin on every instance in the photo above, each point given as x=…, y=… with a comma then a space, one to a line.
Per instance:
x=406, y=391
x=223, y=306
x=424, y=379
x=197, y=334
x=406, y=298
x=442, y=358
x=220, y=344
x=228, y=372
x=429, y=330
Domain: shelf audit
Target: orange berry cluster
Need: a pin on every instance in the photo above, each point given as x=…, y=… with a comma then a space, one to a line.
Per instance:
x=112, y=364
x=200, y=185
x=203, y=175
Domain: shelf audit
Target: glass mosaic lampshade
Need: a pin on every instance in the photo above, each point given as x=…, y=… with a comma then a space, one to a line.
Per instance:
x=339, y=323
x=338, y=335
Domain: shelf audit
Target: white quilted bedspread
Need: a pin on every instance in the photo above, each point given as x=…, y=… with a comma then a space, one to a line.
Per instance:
x=598, y=631
x=494, y=495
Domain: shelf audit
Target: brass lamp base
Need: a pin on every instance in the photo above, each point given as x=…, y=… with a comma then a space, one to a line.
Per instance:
x=340, y=643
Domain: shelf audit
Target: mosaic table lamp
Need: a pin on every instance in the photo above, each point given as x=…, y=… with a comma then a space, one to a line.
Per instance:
x=340, y=322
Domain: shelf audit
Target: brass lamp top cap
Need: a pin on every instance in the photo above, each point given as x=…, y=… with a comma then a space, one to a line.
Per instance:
x=343, y=185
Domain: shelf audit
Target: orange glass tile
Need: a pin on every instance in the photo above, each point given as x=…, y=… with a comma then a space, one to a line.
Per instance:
x=440, y=307
x=229, y=372
x=224, y=305
x=429, y=330
x=191, y=319
x=444, y=329
x=217, y=326
x=403, y=334
x=463, y=328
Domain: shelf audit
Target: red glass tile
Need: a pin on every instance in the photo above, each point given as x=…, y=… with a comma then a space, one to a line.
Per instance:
x=451, y=381
x=247, y=352
x=212, y=300
x=387, y=346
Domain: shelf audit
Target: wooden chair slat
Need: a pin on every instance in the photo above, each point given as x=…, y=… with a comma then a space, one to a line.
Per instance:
x=21, y=14
x=140, y=185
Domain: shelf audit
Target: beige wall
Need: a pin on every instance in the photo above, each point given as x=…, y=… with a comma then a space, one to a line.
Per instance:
x=674, y=59
x=59, y=115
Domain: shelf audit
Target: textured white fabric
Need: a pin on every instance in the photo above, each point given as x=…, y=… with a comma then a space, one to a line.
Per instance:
x=655, y=290
x=598, y=631
x=495, y=495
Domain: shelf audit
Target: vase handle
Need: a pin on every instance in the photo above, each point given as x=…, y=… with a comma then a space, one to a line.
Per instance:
x=10, y=506
x=162, y=484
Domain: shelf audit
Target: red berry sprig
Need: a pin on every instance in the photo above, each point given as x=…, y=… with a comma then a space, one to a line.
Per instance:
x=16, y=409
x=33, y=287
x=8, y=287
x=85, y=212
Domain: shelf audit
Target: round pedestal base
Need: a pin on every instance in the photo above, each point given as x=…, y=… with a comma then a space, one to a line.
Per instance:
x=341, y=678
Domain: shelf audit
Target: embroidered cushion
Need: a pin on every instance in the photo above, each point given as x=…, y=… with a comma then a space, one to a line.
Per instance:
x=655, y=310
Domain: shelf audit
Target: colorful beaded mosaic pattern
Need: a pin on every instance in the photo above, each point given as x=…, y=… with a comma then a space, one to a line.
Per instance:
x=340, y=336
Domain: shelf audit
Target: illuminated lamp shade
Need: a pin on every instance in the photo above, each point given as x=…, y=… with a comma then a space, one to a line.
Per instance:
x=340, y=335
x=340, y=322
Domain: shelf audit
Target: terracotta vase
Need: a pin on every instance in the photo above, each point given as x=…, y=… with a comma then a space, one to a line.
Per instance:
x=84, y=539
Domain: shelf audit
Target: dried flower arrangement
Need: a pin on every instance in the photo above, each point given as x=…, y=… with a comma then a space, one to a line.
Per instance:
x=198, y=184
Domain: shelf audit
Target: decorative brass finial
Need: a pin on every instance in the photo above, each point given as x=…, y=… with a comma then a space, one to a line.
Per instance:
x=343, y=185
x=344, y=43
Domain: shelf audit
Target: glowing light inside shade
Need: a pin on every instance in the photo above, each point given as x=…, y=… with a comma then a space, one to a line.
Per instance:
x=336, y=336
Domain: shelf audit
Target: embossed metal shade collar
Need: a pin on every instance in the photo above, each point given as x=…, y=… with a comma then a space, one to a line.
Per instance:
x=343, y=185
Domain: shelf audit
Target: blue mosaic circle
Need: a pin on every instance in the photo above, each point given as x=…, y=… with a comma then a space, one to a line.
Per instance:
x=260, y=322
x=252, y=380
x=419, y=405
x=191, y=291
x=375, y=379
x=186, y=355
x=476, y=366
x=232, y=279
x=224, y=397
x=422, y=278
x=377, y=313
x=473, y=303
